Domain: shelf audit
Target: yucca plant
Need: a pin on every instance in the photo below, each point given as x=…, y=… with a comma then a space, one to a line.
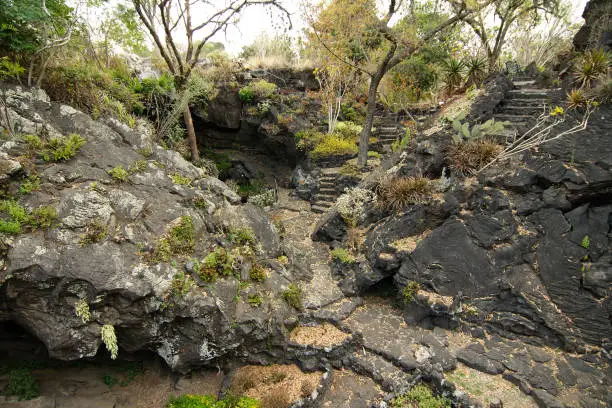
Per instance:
x=476, y=70
x=576, y=98
x=453, y=74
x=591, y=66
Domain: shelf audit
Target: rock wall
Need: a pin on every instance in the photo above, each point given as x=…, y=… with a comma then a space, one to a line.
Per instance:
x=597, y=28
x=47, y=272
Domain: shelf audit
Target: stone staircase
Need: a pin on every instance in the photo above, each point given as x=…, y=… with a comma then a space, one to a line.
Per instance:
x=327, y=192
x=387, y=130
x=522, y=105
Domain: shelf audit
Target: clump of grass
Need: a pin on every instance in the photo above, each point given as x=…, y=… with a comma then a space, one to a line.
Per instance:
x=242, y=236
x=42, y=217
x=257, y=273
x=576, y=99
x=409, y=291
x=420, y=396
x=180, y=240
x=32, y=183
x=209, y=401
x=200, y=203
x=18, y=217
x=466, y=158
x=95, y=231
x=293, y=296
x=179, y=179
x=119, y=174
x=146, y=152
x=343, y=256
x=181, y=284
x=396, y=194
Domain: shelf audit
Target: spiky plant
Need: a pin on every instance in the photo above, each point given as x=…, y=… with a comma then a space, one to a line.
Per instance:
x=476, y=70
x=576, y=98
x=591, y=66
x=453, y=74
x=396, y=194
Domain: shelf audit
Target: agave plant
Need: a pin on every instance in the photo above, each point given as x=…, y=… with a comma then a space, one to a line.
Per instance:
x=591, y=65
x=476, y=70
x=453, y=70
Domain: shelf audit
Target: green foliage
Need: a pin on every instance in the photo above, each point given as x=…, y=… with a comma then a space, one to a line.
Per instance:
x=586, y=242
x=348, y=130
x=479, y=131
x=476, y=70
x=242, y=236
x=343, y=256
x=22, y=385
x=119, y=174
x=178, y=178
x=592, y=65
x=332, y=145
x=181, y=284
x=81, y=309
x=465, y=158
x=420, y=396
x=109, y=338
x=10, y=69
x=453, y=75
x=208, y=401
x=409, y=291
x=137, y=166
x=42, y=217
x=18, y=216
x=398, y=193
x=293, y=296
x=95, y=231
x=10, y=227
x=246, y=95
x=62, y=148
x=32, y=183
x=576, y=99
x=257, y=90
x=257, y=273
x=403, y=143
x=222, y=162
x=255, y=299
x=215, y=264
x=180, y=240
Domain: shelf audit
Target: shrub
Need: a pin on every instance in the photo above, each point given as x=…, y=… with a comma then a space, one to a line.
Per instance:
x=109, y=338
x=409, y=291
x=30, y=184
x=353, y=203
x=373, y=155
x=180, y=240
x=293, y=296
x=246, y=95
x=342, y=255
x=41, y=217
x=179, y=179
x=260, y=89
x=476, y=70
x=453, y=75
x=257, y=273
x=396, y=194
x=420, y=396
x=62, y=148
x=465, y=158
x=333, y=145
x=119, y=174
x=265, y=199
x=22, y=385
x=403, y=143
x=181, y=284
x=348, y=130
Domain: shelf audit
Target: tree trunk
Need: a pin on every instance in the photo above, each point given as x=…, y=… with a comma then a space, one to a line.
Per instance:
x=191, y=136
x=364, y=139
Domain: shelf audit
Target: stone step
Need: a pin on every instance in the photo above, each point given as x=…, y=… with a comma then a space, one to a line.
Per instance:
x=381, y=370
x=523, y=83
x=527, y=94
x=325, y=197
x=520, y=110
x=328, y=191
x=317, y=209
x=525, y=102
x=513, y=118
x=328, y=180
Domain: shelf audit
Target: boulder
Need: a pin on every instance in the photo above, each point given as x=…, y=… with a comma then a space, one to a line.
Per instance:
x=224, y=110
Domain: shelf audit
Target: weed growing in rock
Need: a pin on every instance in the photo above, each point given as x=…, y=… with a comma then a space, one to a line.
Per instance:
x=42, y=217
x=180, y=240
x=62, y=148
x=466, y=158
x=18, y=216
x=586, y=242
x=410, y=291
x=255, y=300
x=209, y=401
x=32, y=183
x=22, y=385
x=350, y=170
x=179, y=179
x=81, y=308
x=420, y=396
x=403, y=143
x=242, y=236
x=181, y=284
x=146, y=152
x=119, y=174
x=137, y=166
x=343, y=256
x=110, y=340
x=293, y=296
x=217, y=263
x=398, y=193
x=95, y=231
x=200, y=203
x=257, y=273
x=373, y=155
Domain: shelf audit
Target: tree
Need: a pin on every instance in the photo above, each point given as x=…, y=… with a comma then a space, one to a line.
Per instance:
x=177, y=19
x=121, y=26
x=507, y=13
x=352, y=32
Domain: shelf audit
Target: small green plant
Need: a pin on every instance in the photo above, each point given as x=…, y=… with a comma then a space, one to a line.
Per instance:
x=586, y=242
x=179, y=179
x=343, y=256
x=257, y=273
x=403, y=143
x=109, y=380
x=62, y=148
x=181, y=284
x=255, y=300
x=420, y=396
x=95, y=231
x=293, y=296
x=476, y=70
x=32, y=183
x=373, y=155
x=180, y=240
x=146, y=152
x=42, y=217
x=246, y=95
x=576, y=99
x=283, y=259
x=489, y=128
x=465, y=158
x=409, y=291
x=109, y=338
x=453, y=75
x=22, y=385
x=119, y=174
x=81, y=308
x=592, y=65
x=137, y=166
x=209, y=401
x=333, y=145
x=242, y=236
x=218, y=262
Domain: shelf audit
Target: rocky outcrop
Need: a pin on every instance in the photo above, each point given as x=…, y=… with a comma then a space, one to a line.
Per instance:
x=159, y=306
x=597, y=28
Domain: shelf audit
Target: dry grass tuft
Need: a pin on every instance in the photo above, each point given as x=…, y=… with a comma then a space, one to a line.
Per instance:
x=325, y=335
x=466, y=158
x=396, y=194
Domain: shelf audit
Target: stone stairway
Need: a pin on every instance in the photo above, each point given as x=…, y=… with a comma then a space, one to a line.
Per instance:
x=327, y=192
x=387, y=130
x=522, y=105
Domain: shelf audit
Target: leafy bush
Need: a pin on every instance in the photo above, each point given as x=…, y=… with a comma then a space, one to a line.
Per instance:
x=293, y=296
x=465, y=158
x=348, y=130
x=396, y=194
x=342, y=255
x=209, y=401
x=54, y=149
x=32, y=183
x=265, y=199
x=420, y=396
x=246, y=94
x=409, y=291
x=22, y=385
x=352, y=205
x=119, y=174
